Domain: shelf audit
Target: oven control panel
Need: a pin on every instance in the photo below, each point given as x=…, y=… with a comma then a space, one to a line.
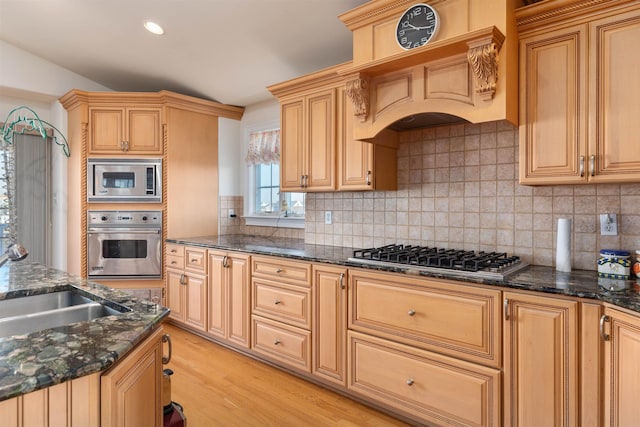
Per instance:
x=124, y=218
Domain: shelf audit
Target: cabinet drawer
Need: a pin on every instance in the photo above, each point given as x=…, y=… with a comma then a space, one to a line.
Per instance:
x=173, y=261
x=284, y=343
x=457, y=320
x=426, y=385
x=298, y=273
x=282, y=302
x=195, y=259
x=174, y=249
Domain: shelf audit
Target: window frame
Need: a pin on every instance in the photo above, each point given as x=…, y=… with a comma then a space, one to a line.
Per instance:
x=252, y=216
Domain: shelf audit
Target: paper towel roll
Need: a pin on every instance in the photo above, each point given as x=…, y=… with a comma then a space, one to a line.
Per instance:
x=563, y=245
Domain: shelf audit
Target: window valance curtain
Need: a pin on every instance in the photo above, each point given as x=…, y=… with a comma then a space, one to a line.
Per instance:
x=264, y=147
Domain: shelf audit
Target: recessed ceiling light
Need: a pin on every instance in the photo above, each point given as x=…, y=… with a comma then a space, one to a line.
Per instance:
x=154, y=28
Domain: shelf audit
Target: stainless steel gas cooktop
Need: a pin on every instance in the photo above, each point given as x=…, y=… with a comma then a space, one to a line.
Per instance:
x=450, y=262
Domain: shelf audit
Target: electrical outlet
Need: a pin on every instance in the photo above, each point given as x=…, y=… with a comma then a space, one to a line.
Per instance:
x=327, y=217
x=232, y=213
x=608, y=224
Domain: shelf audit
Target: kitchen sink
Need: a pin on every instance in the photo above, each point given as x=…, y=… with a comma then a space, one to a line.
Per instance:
x=38, y=312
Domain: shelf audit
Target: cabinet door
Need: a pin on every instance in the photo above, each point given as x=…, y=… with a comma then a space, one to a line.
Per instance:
x=106, y=129
x=218, y=278
x=196, y=301
x=329, y=354
x=175, y=294
x=622, y=370
x=144, y=131
x=541, y=362
x=239, y=299
x=292, y=141
x=553, y=111
x=132, y=390
x=355, y=158
x=321, y=141
x=614, y=93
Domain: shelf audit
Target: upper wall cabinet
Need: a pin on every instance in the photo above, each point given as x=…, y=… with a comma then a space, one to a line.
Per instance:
x=125, y=130
x=579, y=92
x=318, y=151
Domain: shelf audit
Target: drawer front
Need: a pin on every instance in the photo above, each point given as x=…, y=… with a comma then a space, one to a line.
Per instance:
x=174, y=249
x=425, y=385
x=173, y=261
x=457, y=320
x=286, y=344
x=196, y=260
x=280, y=270
x=282, y=302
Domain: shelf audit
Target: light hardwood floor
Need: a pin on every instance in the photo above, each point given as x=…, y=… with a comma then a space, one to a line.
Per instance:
x=220, y=387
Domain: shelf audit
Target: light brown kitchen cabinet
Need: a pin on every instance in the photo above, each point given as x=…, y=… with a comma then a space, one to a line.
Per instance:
x=430, y=387
x=329, y=307
x=125, y=130
x=281, y=311
x=620, y=332
x=186, y=288
x=318, y=151
x=131, y=391
x=229, y=284
x=307, y=142
x=361, y=165
x=460, y=321
x=72, y=403
x=578, y=93
x=541, y=361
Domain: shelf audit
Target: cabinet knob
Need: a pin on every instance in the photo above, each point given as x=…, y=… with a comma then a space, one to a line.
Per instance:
x=173, y=262
x=411, y=312
x=279, y=270
x=173, y=251
x=276, y=342
x=410, y=382
x=276, y=302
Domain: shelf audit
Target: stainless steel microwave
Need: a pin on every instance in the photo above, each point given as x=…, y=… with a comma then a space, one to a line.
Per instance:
x=124, y=180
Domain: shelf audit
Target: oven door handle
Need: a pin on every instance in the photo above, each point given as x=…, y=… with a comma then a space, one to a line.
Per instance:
x=124, y=230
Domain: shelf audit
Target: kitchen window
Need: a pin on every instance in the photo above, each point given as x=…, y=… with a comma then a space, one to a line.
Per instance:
x=268, y=206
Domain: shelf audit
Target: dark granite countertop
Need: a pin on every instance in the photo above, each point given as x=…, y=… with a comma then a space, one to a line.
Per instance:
x=578, y=283
x=41, y=359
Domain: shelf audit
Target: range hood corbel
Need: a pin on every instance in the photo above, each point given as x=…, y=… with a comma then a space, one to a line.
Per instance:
x=454, y=76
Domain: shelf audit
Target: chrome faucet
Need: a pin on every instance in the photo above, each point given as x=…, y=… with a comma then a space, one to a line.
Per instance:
x=15, y=252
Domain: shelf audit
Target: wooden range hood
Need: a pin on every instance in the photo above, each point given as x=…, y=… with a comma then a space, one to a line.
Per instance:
x=468, y=72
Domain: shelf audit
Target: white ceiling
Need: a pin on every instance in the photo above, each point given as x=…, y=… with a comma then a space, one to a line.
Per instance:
x=224, y=50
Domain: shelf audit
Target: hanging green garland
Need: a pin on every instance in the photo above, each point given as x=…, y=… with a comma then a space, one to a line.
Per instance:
x=31, y=124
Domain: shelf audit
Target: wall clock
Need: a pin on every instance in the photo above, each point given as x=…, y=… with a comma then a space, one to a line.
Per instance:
x=417, y=26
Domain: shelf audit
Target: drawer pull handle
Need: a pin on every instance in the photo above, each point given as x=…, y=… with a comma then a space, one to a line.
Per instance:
x=182, y=281
x=592, y=165
x=604, y=318
x=411, y=312
x=194, y=260
x=276, y=302
x=276, y=342
x=410, y=382
x=279, y=270
x=166, y=359
x=505, y=306
x=341, y=279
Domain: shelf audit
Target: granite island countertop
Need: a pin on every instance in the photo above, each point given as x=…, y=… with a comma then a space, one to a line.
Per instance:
x=578, y=283
x=37, y=360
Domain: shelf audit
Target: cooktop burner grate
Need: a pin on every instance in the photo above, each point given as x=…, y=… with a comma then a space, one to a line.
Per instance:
x=431, y=259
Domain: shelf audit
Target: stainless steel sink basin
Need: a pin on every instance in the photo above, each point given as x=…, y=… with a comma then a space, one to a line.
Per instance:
x=38, y=312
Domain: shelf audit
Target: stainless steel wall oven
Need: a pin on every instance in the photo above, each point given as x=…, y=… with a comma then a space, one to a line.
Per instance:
x=124, y=244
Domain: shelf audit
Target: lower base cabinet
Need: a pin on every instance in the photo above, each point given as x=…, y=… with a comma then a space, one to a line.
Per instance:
x=541, y=362
x=429, y=386
x=622, y=368
x=127, y=395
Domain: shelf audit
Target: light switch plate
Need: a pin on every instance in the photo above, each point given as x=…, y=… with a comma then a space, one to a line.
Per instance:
x=327, y=217
x=608, y=224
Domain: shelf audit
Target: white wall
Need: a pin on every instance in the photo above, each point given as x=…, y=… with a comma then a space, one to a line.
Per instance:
x=28, y=80
x=229, y=157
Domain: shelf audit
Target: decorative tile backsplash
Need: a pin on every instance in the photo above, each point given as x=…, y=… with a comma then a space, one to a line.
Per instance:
x=237, y=225
x=458, y=188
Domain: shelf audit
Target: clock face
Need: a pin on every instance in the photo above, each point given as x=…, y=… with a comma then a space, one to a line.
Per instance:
x=417, y=26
